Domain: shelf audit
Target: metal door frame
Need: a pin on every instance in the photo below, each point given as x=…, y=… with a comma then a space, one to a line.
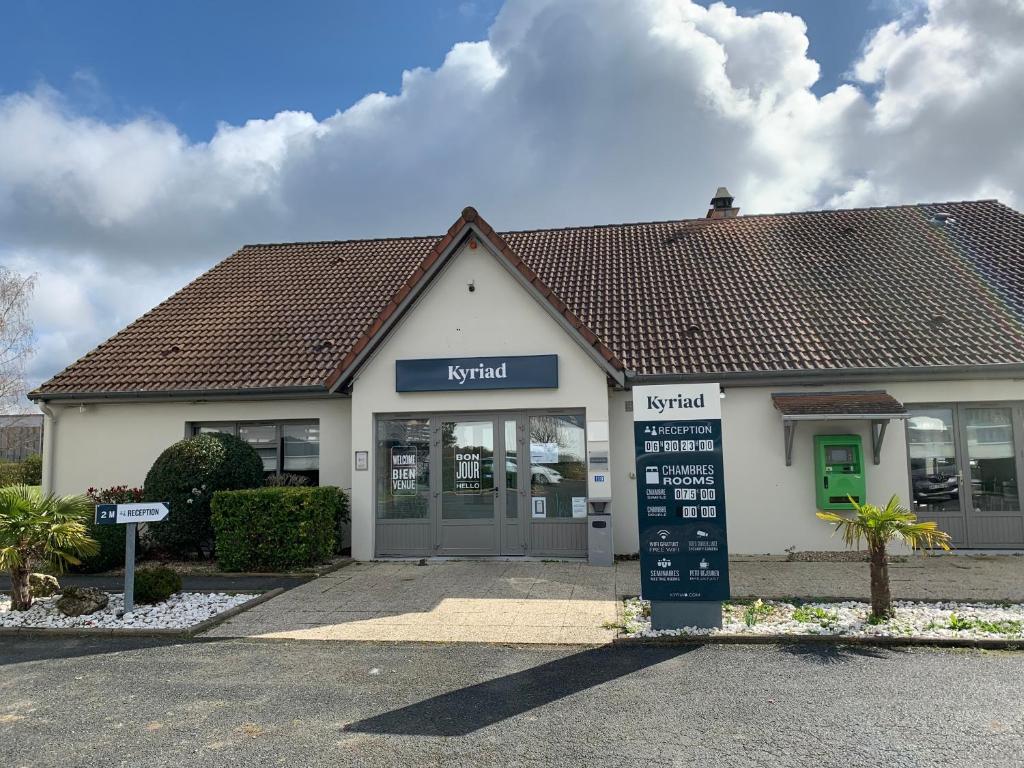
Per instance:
x=962, y=454
x=967, y=500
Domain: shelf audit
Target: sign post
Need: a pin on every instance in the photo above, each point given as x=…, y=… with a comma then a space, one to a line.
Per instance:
x=684, y=559
x=130, y=515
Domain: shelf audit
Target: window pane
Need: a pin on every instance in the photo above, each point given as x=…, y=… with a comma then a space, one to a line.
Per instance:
x=262, y=437
x=992, y=458
x=205, y=429
x=934, y=474
x=403, y=469
x=511, y=471
x=301, y=447
x=467, y=470
x=558, y=471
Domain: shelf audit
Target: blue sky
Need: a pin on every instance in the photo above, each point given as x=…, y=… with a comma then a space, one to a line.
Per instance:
x=141, y=142
x=197, y=62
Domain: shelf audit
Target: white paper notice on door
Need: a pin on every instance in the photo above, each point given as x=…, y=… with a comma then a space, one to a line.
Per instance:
x=579, y=506
x=540, y=506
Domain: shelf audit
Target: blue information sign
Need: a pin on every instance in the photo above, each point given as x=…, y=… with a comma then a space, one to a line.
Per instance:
x=455, y=373
x=680, y=493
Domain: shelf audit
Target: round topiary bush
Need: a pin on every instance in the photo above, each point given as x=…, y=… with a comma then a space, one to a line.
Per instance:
x=154, y=585
x=187, y=475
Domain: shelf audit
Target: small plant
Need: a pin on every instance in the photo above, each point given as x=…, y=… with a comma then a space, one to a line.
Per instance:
x=878, y=526
x=38, y=529
x=154, y=585
x=815, y=614
x=756, y=611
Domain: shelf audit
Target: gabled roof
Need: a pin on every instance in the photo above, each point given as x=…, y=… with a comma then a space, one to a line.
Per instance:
x=470, y=224
x=874, y=288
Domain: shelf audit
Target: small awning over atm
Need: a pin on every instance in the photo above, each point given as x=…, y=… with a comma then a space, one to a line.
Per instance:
x=876, y=406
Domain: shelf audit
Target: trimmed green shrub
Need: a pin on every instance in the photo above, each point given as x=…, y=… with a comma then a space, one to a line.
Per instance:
x=154, y=585
x=187, y=475
x=10, y=473
x=110, y=537
x=32, y=470
x=276, y=529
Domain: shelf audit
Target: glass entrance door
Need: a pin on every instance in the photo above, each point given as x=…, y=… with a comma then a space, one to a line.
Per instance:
x=965, y=466
x=935, y=475
x=471, y=483
x=992, y=495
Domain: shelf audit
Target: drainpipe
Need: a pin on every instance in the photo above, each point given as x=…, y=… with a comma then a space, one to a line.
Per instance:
x=49, y=452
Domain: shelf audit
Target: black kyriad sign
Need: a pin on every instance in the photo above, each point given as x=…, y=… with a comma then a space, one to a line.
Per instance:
x=455, y=373
x=680, y=493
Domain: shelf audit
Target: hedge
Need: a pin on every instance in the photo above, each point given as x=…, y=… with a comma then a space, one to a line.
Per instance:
x=276, y=529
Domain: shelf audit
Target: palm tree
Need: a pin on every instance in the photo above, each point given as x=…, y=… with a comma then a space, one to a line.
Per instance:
x=878, y=526
x=38, y=529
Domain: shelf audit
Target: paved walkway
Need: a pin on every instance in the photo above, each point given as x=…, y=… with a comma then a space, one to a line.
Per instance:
x=461, y=601
x=554, y=602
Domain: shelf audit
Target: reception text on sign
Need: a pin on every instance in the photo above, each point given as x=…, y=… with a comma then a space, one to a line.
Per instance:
x=680, y=493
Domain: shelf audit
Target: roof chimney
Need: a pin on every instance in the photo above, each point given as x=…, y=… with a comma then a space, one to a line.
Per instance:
x=721, y=206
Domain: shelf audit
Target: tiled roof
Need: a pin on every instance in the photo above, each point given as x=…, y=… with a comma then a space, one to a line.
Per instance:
x=875, y=403
x=826, y=290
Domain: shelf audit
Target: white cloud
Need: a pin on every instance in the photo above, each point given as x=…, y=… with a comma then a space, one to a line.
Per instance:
x=571, y=112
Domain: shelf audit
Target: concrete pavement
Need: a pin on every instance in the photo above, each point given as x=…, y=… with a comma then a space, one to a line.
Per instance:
x=559, y=602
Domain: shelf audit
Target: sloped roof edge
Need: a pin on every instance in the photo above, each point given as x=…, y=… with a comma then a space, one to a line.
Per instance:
x=470, y=223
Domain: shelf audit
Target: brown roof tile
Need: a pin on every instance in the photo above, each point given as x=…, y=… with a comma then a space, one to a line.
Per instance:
x=848, y=289
x=874, y=402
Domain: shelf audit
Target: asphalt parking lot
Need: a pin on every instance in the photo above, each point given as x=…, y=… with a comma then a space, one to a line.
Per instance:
x=120, y=702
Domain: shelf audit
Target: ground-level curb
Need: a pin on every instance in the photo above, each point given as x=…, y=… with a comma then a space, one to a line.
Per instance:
x=880, y=642
x=183, y=634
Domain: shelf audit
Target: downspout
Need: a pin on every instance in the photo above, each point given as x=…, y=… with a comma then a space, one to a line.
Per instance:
x=49, y=451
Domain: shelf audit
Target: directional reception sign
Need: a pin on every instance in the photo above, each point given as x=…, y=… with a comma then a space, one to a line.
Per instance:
x=684, y=561
x=131, y=515
x=146, y=512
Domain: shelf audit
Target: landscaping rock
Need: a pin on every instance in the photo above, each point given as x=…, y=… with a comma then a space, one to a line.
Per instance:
x=79, y=601
x=43, y=585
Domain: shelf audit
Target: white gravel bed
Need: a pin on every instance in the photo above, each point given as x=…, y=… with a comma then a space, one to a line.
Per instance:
x=982, y=621
x=179, y=611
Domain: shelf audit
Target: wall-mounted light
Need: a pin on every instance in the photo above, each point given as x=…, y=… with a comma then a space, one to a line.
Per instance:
x=82, y=408
x=471, y=285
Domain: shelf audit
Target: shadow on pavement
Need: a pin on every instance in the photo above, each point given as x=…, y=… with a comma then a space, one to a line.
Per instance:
x=17, y=650
x=834, y=654
x=469, y=709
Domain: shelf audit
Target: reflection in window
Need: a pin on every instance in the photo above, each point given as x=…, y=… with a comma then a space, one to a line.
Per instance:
x=558, y=472
x=262, y=437
x=403, y=469
x=933, y=467
x=992, y=456
x=291, y=447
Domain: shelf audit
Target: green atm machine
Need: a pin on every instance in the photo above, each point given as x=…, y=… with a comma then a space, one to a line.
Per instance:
x=838, y=471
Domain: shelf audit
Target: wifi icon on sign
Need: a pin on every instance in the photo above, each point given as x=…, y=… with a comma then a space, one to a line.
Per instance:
x=663, y=534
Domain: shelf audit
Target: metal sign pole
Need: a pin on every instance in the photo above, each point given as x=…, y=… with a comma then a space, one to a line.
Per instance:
x=129, y=566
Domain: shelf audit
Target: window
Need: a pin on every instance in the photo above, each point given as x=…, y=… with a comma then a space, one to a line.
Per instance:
x=292, y=447
x=403, y=469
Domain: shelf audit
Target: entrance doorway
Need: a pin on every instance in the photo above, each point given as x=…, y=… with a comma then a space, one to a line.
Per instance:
x=481, y=484
x=965, y=466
